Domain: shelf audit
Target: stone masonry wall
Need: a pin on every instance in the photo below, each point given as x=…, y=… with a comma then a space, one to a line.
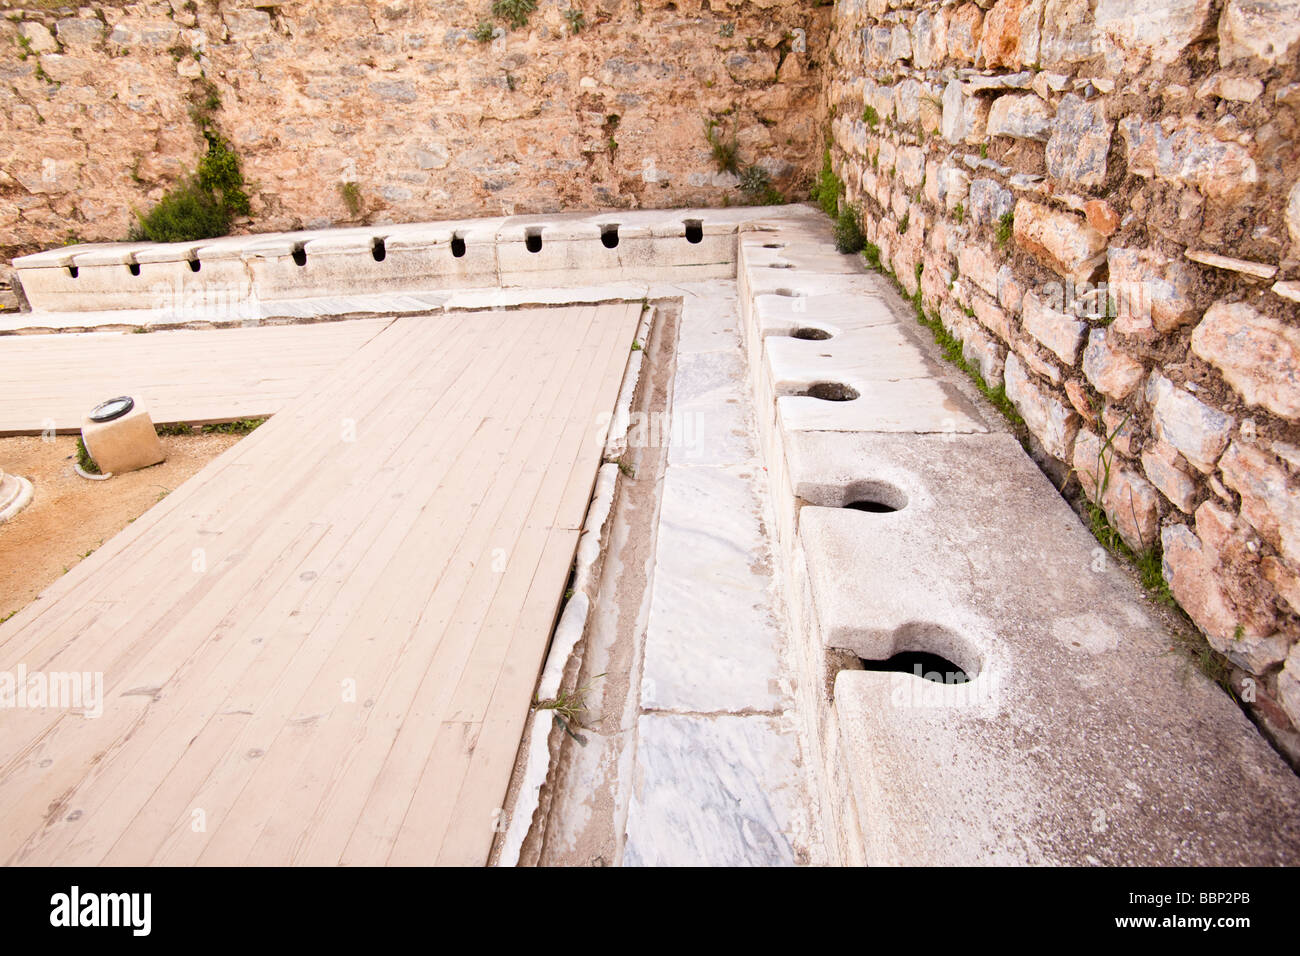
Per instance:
x=400, y=98
x=1099, y=198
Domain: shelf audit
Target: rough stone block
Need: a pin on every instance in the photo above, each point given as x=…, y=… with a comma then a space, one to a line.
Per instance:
x=1189, y=156
x=1258, y=355
x=123, y=444
x=1020, y=117
x=1053, y=422
x=1149, y=290
x=1268, y=504
x=1164, y=472
x=1160, y=29
x=1012, y=33
x=1263, y=30
x=1079, y=141
x=1197, y=430
x=1128, y=499
x=1061, y=241
x=1111, y=371
x=1058, y=332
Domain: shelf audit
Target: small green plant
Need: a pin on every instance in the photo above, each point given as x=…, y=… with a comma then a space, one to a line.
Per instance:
x=205, y=100
x=827, y=188
x=848, y=233
x=904, y=223
x=240, y=426
x=8, y=616
x=871, y=252
x=567, y=707
x=201, y=206
x=577, y=19
x=1003, y=230
x=514, y=12
x=350, y=193
x=174, y=428
x=636, y=346
x=221, y=174
x=756, y=184
x=727, y=30
x=483, y=32
x=186, y=212
x=24, y=47
x=870, y=116
x=959, y=213
x=725, y=151
x=984, y=150
x=626, y=468
x=84, y=461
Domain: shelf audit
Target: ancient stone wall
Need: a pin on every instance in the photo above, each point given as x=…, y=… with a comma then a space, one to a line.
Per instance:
x=1099, y=198
x=402, y=98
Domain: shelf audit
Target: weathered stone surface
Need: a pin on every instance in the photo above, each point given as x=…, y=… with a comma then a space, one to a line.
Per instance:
x=911, y=165
x=907, y=101
x=1101, y=216
x=1293, y=214
x=1111, y=371
x=1128, y=499
x=1067, y=33
x=1079, y=141
x=1160, y=463
x=246, y=24
x=1287, y=581
x=148, y=33
x=965, y=29
x=1011, y=33
x=1220, y=606
x=80, y=31
x=974, y=263
x=1198, y=431
x=964, y=117
x=1258, y=355
x=299, y=85
x=1288, y=685
x=1242, y=89
x=1119, y=428
x=929, y=37
x=1020, y=117
x=1149, y=290
x=985, y=354
x=1267, y=502
x=989, y=201
x=1053, y=422
x=39, y=38
x=1063, y=242
x=1189, y=156
x=1161, y=29
x=992, y=318
x=1246, y=267
x=1058, y=332
x=1264, y=30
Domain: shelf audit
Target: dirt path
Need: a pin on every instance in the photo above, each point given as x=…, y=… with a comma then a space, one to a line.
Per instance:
x=69, y=516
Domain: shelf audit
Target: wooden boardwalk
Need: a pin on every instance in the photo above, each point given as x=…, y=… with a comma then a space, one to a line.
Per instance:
x=322, y=648
x=195, y=376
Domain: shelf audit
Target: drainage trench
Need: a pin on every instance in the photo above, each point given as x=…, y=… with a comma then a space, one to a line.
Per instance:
x=583, y=804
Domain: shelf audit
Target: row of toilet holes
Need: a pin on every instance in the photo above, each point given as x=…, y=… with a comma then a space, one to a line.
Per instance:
x=825, y=391
x=532, y=242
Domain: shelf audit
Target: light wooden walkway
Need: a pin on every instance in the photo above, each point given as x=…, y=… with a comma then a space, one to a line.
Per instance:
x=189, y=376
x=322, y=648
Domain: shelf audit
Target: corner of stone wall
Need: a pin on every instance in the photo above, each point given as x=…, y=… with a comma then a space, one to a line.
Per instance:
x=1099, y=199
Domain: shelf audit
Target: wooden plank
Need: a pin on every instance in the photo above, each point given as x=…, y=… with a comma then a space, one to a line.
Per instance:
x=194, y=376
x=372, y=561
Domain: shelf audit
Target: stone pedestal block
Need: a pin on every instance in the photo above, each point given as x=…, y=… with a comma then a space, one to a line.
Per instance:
x=123, y=444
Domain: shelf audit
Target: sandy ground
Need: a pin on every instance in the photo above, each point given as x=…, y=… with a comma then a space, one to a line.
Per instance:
x=69, y=516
